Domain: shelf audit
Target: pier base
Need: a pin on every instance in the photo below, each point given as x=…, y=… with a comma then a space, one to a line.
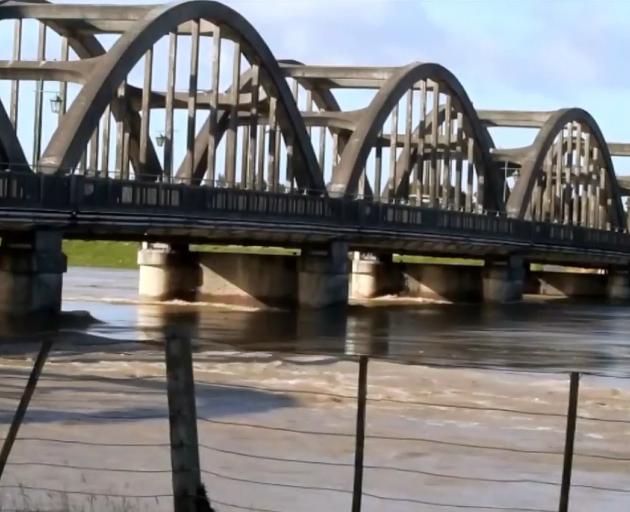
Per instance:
x=31, y=273
x=168, y=272
x=618, y=284
x=502, y=280
x=323, y=276
x=374, y=276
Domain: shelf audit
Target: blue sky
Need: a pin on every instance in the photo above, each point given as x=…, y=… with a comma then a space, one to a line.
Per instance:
x=508, y=54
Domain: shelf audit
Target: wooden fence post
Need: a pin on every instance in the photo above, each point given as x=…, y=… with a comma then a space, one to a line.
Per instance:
x=357, y=493
x=569, y=442
x=183, y=422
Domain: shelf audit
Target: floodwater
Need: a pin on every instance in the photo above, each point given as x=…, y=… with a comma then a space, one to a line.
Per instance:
x=466, y=404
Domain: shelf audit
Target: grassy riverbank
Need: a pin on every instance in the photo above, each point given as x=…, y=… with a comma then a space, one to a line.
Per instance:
x=124, y=254
x=101, y=254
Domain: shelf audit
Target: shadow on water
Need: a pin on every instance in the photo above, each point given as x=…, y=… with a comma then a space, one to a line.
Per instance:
x=59, y=400
x=544, y=335
x=536, y=335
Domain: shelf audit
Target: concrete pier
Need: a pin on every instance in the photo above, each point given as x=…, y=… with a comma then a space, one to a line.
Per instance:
x=323, y=276
x=618, y=284
x=374, y=276
x=168, y=272
x=31, y=273
x=318, y=278
x=503, y=280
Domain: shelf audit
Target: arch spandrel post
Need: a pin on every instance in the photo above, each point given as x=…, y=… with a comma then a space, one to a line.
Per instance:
x=322, y=98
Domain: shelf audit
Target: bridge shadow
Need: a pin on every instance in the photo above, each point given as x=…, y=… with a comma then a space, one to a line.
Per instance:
x=543, y=335
x=72, y=398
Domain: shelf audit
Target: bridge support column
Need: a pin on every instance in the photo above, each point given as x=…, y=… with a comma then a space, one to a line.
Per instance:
x=31, y=273
x=323, y=276
x=374, y=276
x=618, y=284
x=503, y=279
x=168, y=272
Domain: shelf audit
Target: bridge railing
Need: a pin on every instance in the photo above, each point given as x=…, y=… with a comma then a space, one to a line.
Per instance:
x=84, y=193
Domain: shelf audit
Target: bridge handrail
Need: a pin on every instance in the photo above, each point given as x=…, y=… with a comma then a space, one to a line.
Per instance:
x=84, y=193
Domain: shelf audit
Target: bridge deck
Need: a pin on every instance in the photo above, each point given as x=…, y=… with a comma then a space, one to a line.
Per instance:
x=97, y=208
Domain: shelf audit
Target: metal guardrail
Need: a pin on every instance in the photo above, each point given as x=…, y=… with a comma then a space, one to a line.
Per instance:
x=82, y=193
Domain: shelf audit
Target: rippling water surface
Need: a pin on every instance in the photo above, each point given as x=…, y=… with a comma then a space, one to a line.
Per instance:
x=276, y=431
x=536, y=334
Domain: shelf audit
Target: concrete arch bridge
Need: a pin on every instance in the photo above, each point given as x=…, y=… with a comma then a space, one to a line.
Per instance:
x=175, y=124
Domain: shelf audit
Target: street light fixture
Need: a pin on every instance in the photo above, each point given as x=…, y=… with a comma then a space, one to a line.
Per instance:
x=55, y=104
x=160, y=139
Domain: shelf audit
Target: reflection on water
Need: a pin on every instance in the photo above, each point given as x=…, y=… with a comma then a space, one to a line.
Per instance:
x=543, y=335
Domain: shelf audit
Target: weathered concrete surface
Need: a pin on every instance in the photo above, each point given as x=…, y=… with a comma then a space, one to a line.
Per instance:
x=375, y=277
x=618, y=285
x=452, y=283
x=167, y=273
x=503, y=280
x=323, y=276
x=566, y=284
x=31, y=274
x=318, y=278
x=256, y=279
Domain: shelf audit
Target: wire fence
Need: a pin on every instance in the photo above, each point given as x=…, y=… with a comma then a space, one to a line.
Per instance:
x=278, y=435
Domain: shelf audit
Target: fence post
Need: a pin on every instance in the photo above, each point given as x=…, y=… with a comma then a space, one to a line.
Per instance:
x=24, y=402
x=182, y=422
x=357, y=493
x=569, y=442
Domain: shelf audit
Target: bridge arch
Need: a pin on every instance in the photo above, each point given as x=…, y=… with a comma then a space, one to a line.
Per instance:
x=11, y=153
x=432, y=79
x=70, y=138
x=567, y=175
